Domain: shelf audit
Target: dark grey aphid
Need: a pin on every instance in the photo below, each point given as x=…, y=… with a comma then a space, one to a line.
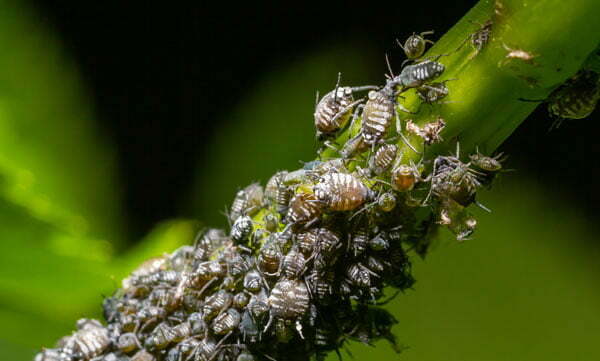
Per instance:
x=160, y=337
x=416, y=75
x=293, y=264
x=241, y=229
x=414, y=46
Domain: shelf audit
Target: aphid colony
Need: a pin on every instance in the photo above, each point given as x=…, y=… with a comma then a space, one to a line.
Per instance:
x=306, y=261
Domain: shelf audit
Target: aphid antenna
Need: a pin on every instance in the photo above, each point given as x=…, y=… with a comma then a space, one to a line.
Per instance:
x=402, y=136
x=337, y=85
x=482, y=206
x=389, y=66
x=316, y=99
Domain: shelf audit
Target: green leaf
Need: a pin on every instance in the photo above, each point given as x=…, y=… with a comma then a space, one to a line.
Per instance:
x=54, y=161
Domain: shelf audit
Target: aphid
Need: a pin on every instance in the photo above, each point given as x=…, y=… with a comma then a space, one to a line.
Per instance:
x=242, y=228
x=289, y=300
x=52, y=355
x=430, y=132
x=518, y=54
x=181, y=331
x=404, y=177
x=359, y=240
x=334, y=109
x=226, y=321
x=481, y=37
x=383, y=158
x=253, y=281
x=454, y=179
x=271, y=222
x=379, y=243
x=327, y=241
x=196, y=323
x=249, y=329
x=216, y=303
x=259, y=305
x=321, y=284
x=150, y=266
x=236, y=264
x=143, y=355
x=128, y=342
x=413, y=76
x=181, y=258
x=269, y=258
x=240, y=300
x=342, y=192
x=160, y=338
x=414, y=46
x=353, y=146
x=247, y=201
x=207, y=242
x=433, y=92
x=303, y=208
x=204, y=350
x=359, y=275
x=89, y=341
x=378, y=112
x=278, y=193
x=306, y=241
x=376, y=264
x=576, y=98
x=486, y=164
x=163, y=297
x=386, y=201
x=293, y=264
x=206, y=271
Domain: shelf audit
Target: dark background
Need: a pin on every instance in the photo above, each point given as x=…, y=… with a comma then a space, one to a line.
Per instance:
x=160, y=76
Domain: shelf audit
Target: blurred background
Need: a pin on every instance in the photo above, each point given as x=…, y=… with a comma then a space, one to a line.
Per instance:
x=125, y=127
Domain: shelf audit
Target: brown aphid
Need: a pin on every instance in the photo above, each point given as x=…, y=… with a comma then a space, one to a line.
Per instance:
x=216, y=303
x=226, y=321
x=207, y=271
x=342, y=192
x=383, y=158
x=378, y=112
x=293, y=264
x=306, y=241
x=404, y=178
x=206, y=242
x=289, y=300
x=333, y=111
x=269, y=258
x=303, y=208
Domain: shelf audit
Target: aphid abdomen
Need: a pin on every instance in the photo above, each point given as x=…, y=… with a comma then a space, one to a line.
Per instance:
x=377, y=115
x=342, y=192
x=383, y=159
x=303, y=208
x=289, y=299
x=416, y=75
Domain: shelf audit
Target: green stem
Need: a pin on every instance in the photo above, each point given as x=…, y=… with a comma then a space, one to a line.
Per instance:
x=483, y=106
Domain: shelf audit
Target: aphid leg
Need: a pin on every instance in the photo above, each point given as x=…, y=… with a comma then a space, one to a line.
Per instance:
x=268, y=323
x=399, y=131
x=316, y=99
x=299, y=329
x=218, y=346
x=482, y=207
x=428, y=32
x=391, y=298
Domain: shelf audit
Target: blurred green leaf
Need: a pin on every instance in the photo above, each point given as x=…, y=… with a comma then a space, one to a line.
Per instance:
x=53, y=160
x=524, y=288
